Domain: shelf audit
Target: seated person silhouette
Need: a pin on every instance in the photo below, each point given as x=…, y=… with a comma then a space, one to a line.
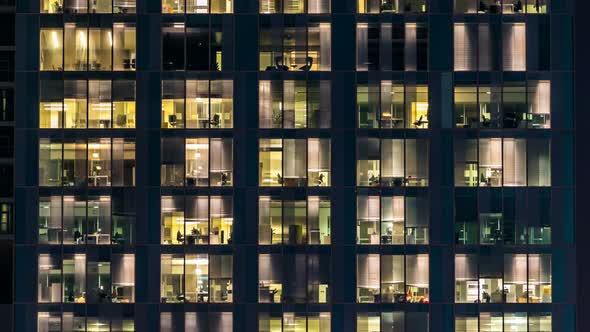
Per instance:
x=320, y=180
x=224, y=178
x=179, y=237
x=278, y=65
x=308, y=64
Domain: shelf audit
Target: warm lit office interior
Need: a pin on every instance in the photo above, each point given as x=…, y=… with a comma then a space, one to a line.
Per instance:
x=295, y=48
x=282, y=162
x=497, y=162
x=100, y=162
x=87, y=104
x=513, y=105
x=504, y=7
x=197, y=104
x=197, y=6
x=85, y=278
x=392, y=220
x=88, y=6
x=76, y=47
x=498, y=322
x=382, y=278
x=294, y=321
x=78, y=322
x=391, y=162
x=294, y=104
x=476, y=46
x=514, y=278
x=75, y=220
x=387, y=104
x=294, y=6
x=196, y=278
x=191, y=162
x=393, y=321
x=391, y=6
x=294, y=222
x=197, y=220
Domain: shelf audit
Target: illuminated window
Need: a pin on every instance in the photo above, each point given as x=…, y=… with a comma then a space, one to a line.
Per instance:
x=392, y=278
x=196, y=278
x=295, y=48
x=51, y=49
x=294, y=221
x=192, y=163
x=197, y=220
x=280, y=162
x=294, y=104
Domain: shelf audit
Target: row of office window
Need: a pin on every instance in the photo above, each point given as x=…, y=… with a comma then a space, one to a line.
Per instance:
x=86, y=278
x=294, y=321
x=513, y=278
x=197, y=104
x=294, y=221
x=197, y=162
x=77, y=47
x=211, y=321
x=294, y=104
x=92, y=220
x=484, y=162
x=508, y=162
x=389, y=104
x=392, y=321
x=503, y=321
x=294, y=162
x=87, y=104
x=296, y=278
x=291, y=104
x=88, y=7
x=382, y=278
x=392, y=220
x=196, y=278
x=511, y=105
x=292, y=6
x=511, y=216
x=399, y=321
x=197, y=220
x=82, y=322
x=303, y=46
x=96, y=162
x=392, y=162
x=300, y=46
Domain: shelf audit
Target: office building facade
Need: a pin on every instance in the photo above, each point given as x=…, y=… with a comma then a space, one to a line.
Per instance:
x=295, y=165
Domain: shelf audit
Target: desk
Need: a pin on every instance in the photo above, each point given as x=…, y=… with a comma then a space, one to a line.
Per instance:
x=98, y=238
x=99, y=180
x=293, y=181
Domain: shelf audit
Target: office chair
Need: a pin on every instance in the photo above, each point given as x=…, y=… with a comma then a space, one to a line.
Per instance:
x=214, y=123
x=419, y=122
